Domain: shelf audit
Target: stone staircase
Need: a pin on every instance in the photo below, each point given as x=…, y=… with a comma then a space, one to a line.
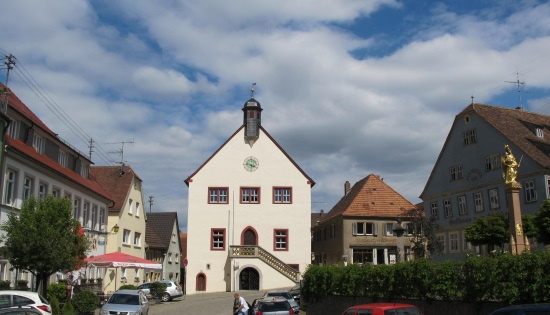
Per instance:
x=249, y=251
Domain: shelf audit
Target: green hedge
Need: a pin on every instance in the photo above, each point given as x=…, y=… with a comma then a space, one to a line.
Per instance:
x=513, y=279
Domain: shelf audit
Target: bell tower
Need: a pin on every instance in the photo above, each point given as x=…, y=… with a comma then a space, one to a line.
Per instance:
x=252, y=119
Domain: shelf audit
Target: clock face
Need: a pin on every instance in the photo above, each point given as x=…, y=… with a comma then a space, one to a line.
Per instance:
x=251, y=164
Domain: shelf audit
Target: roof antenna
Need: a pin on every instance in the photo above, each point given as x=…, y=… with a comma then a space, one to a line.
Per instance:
x=252, y=89
x=520, y=85
x=472, y=99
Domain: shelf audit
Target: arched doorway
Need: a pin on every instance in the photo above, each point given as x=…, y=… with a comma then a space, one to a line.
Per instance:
x=201, y=282
x=249, y=236
x=249, y=279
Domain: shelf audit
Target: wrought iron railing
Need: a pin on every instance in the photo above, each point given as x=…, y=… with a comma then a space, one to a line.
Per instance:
x=265, y=256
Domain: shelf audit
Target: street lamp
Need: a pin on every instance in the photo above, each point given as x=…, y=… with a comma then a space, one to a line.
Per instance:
x=116, y=228
x=399, y=230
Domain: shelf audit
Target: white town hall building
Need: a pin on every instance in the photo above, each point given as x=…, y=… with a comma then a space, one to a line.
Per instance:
x=249, y=214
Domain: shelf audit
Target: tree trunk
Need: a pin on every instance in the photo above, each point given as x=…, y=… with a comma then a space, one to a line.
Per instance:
x=42, y=287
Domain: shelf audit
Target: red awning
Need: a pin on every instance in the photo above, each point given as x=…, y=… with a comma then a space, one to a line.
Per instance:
x=118, y=259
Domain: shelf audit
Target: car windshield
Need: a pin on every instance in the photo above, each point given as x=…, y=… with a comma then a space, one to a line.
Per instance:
x=274, y=306
x=402, y=311
x=128, y=299
x=286, y=295
x=296, y=287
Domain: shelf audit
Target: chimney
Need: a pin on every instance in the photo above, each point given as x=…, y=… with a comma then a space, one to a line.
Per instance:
x=346, y=188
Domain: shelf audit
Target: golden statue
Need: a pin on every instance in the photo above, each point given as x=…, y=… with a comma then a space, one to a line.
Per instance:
x=510, y=165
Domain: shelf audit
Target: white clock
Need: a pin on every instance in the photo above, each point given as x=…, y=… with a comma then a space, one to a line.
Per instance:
x=251, y=164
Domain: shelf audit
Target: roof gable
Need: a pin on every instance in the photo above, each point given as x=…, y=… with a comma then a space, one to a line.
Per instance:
x=370, y=197
x=310, y=181
x=114, y=181
x=158, y=231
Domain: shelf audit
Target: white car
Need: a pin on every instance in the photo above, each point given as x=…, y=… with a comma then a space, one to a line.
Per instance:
x=172, y=289
x=19, y=298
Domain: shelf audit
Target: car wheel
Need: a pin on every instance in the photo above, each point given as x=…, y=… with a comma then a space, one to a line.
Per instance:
x=166, y=297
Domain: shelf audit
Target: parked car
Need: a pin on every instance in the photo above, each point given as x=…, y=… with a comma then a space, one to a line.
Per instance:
x=295, y=291
x=275, y=305
x=20, y=310
x=525, y=309
x=383, y=309
x=172, y=290
x=25, y=298
x=287, y=296
x=126, y=302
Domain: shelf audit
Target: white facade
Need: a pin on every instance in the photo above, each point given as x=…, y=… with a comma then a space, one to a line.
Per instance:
x=217, y=222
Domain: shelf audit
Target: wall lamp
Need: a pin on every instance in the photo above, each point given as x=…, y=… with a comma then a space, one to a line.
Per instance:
x=115, y=228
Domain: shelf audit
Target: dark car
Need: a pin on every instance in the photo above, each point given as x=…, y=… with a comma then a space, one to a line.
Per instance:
x=295, y=292
x=383, y=309
x=525, y=309
x=272, y=306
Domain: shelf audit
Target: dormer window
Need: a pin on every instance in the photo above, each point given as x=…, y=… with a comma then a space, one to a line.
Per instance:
x=84, y=171
x=63, y=158
x=539, y=132
x=38, y=143
x=13, y=129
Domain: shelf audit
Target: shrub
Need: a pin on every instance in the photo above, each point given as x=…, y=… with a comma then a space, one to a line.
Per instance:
x=157, y=289
x=21, y=284
x=54, y=303
x=128, y=287
x=85, y=302
x=57, y=291
x=68, y=309
x=5, y=285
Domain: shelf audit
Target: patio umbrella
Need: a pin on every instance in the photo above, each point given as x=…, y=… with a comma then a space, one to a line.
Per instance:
x=118, y=259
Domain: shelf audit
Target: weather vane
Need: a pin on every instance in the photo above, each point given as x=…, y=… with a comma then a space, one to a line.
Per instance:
x=252, y=89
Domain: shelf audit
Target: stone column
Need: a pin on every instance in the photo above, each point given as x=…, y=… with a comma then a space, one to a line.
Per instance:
x=518, y=241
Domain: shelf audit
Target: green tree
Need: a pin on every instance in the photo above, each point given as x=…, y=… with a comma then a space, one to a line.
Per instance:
x=489, y=230
x=529, y=227
x=542, y=223
x=43, y=238
x=424, y=233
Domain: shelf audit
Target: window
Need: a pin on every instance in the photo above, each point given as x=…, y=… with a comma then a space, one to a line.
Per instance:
x=281, y=239
x=101, y=219
x=530, y=192
x=441, y=241
x=42, y=190
x=469, y=137
x=13, y=130
x=466, y=245
x=27, y=187
x=539, y=132
x=332, y=231
x=63, y=158
x=547, y=187
x=456, y=172
x=94, y=218
x=84, y=170
x=409, y=228
x=363, y=255
x=388, y=227
x=478, y=201
x=493, y=198
x=250, y=195
x=137, y=239
x=364, y=228
x=130, y=204
x=435, y=211
x=76, y=209
x=126, y=236
x=86, y=215
x=453, y=242
x=38, y=143
x=177, y=260
x=56, y=192
x=169, y=258
x=462, y=207
x=218, y=239
x=11, y=177
x=282, y=195
x=447, y=208
x=492, y=162
x=137, y=209
x=217, y=195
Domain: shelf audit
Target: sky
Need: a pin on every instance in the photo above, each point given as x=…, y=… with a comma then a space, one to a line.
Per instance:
x=348, y=87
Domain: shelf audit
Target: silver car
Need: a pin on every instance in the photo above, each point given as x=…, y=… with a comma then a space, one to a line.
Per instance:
x=272, y=306
x=287, y=296
x=130, y=302
x=172, y=290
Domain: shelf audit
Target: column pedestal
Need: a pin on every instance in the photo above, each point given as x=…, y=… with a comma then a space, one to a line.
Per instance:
x=518, y=241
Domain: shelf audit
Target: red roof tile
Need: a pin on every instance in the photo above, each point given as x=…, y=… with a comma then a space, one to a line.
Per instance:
x=118, y=185
x=370, y=197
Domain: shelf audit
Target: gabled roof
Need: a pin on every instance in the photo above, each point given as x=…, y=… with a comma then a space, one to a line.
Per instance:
x=190, y=178
x=511, y=123
x=30, y=152
x=114, y=181
x=158, y=231
x=370, y=197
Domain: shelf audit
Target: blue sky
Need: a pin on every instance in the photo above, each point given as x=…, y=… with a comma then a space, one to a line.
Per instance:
x=348, y=87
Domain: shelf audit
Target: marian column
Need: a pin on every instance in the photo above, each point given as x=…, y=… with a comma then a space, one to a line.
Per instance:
x=518, y=240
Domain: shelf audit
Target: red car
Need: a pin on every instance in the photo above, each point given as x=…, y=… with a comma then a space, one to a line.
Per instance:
x=383, y=309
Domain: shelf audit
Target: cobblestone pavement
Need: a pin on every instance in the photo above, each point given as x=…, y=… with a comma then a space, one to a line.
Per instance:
x=206, y=303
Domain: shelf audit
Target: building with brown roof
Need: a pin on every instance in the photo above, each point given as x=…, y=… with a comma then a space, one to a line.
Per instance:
x=37, y=162
x=360, y=227
x=162, y=235
x=126, y=224
x=467, y=180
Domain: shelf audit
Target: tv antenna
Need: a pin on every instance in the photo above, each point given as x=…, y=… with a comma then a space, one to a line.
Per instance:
x=519, y=85
x=121, y=151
